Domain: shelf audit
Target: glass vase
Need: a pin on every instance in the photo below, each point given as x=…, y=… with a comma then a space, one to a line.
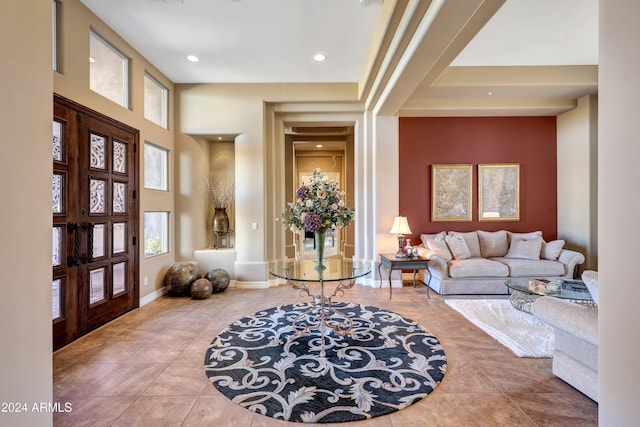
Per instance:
x=319, y=242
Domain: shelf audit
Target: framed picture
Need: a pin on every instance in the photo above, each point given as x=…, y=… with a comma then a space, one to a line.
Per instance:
x=451, y=192
x=499, y=192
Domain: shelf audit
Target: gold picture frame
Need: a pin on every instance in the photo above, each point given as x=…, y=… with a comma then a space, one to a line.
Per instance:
x=499, y=192
x=451, y=192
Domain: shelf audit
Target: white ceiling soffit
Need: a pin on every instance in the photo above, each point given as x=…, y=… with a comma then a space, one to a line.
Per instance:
x=499, y=91
x=536, y=32
x=246, y=41
x=533, y=57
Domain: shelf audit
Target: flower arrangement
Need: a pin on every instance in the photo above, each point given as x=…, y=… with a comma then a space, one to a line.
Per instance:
x=220, y=192
x=319, y=205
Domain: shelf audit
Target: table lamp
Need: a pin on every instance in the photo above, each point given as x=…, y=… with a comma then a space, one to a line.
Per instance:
x=400, y=227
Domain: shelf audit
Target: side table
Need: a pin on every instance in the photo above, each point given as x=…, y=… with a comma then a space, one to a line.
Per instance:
x=390, y=262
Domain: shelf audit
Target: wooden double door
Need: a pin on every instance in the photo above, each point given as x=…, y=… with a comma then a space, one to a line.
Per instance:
x=95, y=220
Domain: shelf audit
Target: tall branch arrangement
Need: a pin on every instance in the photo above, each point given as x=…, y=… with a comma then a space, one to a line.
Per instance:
x=220, y=192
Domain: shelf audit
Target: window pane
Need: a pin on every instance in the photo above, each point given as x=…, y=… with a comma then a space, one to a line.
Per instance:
x=57, y=141
x=56, y=299
x=119, y=197
x=156, y=173
x=119, y=237
x=96, y=196
x=98, y=240
x=118, y=274
x=56, y=247
x=155, y=101
x=156, y=233
x=96, y=286
x=57, y=190
x=119, y=157
x=108, y=71
x=97, y=160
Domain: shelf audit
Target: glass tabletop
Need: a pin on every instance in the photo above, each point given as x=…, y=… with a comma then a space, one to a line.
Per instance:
x=337, y=269
x=570, y=288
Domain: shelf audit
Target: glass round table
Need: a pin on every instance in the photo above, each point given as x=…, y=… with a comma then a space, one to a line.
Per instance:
x=522, y=294
x=300, y=274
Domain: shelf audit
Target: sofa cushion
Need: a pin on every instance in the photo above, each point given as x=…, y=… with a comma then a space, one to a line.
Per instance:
x=590, y=278
x=425, y=237
x=440, y=247
x=519, y=267
x=493, y=243
x=477, y=267
x=526, y=249
x=471, y=238
x=551, y=250
x=458, y=247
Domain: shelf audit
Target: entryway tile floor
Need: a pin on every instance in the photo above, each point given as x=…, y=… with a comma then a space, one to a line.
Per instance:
x=146, y=368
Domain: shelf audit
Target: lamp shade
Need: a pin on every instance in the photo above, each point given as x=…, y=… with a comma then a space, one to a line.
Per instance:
x=400, y=226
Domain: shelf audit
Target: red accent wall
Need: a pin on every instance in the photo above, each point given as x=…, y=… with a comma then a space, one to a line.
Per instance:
x=529, y=141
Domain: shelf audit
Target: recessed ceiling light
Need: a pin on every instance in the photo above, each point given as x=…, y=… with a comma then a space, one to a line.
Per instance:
x=490, y=93
x=319, y=146
x=193, y=58
x=319, y=57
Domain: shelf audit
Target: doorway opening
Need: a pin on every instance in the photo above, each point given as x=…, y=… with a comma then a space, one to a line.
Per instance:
x=330, y=149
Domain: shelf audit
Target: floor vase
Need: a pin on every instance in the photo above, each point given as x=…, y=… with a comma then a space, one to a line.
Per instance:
x=220, y=221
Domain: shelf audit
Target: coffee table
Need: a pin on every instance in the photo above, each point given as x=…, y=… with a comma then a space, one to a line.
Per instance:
x=521, y=297
x=322, y=316
x=390, y=262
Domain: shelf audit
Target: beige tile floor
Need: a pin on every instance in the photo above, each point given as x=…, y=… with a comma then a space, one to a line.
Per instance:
x=147, y=369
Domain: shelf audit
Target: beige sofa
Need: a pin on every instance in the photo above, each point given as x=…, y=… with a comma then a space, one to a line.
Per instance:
x=575, y=354
x=480, y=262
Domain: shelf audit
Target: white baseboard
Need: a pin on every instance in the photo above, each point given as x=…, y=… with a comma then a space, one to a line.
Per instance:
x=249, y=285
x=152, y=296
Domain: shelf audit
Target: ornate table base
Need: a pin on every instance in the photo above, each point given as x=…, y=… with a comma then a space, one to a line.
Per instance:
x=522, y=301
x=321, y=316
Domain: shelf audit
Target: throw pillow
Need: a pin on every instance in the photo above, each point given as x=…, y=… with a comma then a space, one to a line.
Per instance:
x=458, y=247
x=551, y=250
x=440, y=247
x=525, y=236
x=425, y=237
x=525, y=249
x=493, y=243
x=471, y=238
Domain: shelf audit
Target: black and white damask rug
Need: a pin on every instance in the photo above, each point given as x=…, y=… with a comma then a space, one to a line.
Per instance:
x=385, y=364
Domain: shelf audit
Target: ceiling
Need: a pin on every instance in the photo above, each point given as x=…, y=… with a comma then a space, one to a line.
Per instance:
x=246, y=41
x=533, y=57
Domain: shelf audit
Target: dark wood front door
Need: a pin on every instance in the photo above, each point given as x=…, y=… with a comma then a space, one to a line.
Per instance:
x=95, y=220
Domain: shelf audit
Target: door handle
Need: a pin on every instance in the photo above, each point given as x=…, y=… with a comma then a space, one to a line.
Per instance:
x=87, y=227
x=74, y=261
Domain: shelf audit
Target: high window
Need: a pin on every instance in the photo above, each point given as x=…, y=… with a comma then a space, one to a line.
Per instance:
x=108, y=71
x=155, y=101
x=156, y=233
x=54, y=34
x=156, y=171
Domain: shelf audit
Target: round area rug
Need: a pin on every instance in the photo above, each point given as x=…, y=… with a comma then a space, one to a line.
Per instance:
x=385, y=364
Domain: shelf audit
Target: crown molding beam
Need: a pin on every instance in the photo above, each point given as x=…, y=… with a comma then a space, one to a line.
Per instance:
x=442, y=31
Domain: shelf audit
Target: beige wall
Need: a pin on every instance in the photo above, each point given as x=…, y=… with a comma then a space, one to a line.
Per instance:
x=26, y=113
x=73, y=82
x=577, y=152
x=618, y=204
